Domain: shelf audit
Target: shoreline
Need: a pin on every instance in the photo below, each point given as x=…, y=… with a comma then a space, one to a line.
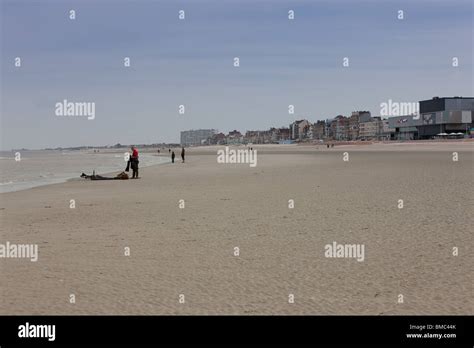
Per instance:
x=28, y=185
x=392, y=146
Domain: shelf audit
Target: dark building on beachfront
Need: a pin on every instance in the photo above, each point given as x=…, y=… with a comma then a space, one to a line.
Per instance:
x=445, y=115
x=448, y=116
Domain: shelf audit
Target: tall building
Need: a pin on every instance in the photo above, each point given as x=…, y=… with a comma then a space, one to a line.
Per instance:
x=340, y=128
x=196, y=137
x=299, y=129
x=354, y=120
x=319, y=130
x=329, y=131
x=369, y=130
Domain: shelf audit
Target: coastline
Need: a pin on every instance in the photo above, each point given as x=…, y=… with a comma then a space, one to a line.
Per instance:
x=46, y=181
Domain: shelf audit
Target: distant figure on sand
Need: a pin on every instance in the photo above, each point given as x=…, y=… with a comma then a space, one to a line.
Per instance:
x=172, y=157
x=182, y=154
x=134, y=162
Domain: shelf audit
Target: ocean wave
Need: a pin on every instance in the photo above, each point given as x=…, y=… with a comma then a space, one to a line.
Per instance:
x=55, y=170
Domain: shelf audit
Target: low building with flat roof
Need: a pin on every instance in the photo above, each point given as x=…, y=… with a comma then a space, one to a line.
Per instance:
x=445, y=115
x=404, y=127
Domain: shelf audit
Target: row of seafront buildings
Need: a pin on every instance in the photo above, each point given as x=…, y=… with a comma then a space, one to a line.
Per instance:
x=437, y=117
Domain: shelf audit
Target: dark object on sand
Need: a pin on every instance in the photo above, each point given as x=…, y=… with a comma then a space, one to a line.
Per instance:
x=134, y=162
x=134, y=165
x=172, y=157
x=121, y=176
x=182, y=154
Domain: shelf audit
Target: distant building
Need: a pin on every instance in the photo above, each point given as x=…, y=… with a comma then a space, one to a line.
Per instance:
x=354, y=120
x=372, y=129
x=328, y=131
x=261, y=137
x=404, y=127
x=197, y=137
x=234, y=137
x=340, y=128
x=319, y=130
x=445, y=115
x=387, y=132
x=375, y=129
x=218, y=139
x=299, y=130
x=279, y=135
x=252, y=137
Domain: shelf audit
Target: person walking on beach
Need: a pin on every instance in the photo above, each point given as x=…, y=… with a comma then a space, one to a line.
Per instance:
x=172, y=157
x=182, y=154
x=134, y=162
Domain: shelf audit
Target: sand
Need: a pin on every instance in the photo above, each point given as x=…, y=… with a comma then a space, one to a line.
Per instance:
x=190, y=251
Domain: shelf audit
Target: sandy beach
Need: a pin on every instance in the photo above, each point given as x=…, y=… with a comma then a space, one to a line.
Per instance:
x=190, y=251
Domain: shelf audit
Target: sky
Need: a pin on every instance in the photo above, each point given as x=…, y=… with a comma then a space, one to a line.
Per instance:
x=190, y=62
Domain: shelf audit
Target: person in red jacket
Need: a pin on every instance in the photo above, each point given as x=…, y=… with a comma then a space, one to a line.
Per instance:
x=134, y=162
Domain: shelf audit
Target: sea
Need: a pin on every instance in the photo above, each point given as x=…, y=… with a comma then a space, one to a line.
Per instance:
x=45, y=167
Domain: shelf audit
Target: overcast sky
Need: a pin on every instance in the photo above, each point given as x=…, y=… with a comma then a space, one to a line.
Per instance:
x=190, y=62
